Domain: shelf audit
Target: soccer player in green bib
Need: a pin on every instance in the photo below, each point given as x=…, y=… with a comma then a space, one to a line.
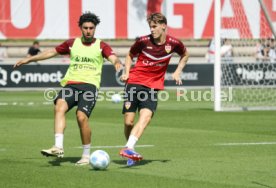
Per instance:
x=81, y=82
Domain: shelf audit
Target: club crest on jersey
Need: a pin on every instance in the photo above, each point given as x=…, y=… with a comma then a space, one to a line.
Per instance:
x=127, y=105
x=168, y=48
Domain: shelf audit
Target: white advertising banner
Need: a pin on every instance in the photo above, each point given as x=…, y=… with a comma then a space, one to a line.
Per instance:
x=126, y=19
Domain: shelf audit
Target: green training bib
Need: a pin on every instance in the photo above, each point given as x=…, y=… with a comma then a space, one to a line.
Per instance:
x=85, y=64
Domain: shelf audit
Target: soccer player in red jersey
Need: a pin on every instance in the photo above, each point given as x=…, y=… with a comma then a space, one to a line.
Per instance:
x=81, y=82
x=143, y=81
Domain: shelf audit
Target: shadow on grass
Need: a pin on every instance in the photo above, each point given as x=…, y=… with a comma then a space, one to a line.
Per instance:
x=139, y=163
x=59, y=161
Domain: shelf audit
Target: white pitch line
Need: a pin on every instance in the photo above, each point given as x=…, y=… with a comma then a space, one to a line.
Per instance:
x=245, y=144
x=97, y=147
x=30, y=103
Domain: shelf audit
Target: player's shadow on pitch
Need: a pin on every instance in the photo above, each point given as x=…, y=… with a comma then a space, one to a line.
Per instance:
x=59, y=161
x=140, y=163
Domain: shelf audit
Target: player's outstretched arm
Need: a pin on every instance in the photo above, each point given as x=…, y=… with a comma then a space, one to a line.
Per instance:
x=128, y=63
x=177, y=73
x=115, y=61
x=41, y=56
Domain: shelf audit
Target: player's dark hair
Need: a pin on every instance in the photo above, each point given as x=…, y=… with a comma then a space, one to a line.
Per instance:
x=89, y=17
x=35, y=42
x=157, y=18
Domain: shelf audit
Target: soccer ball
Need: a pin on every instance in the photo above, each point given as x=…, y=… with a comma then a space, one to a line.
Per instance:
x=99, y=160
x=116, y=98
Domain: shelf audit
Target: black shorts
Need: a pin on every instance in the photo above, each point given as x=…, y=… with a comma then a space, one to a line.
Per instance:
x=139, y=97
x=82, y=95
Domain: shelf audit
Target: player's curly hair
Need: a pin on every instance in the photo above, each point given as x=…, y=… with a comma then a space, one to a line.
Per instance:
x=89, y=17
x=157, y=18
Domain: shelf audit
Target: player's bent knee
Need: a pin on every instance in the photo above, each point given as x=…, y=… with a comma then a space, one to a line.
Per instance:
x=129, y=119
x=129, y=122
x=81, y=117
x=61, y=106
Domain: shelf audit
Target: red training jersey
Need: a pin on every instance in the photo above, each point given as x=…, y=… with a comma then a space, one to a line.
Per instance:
x=153, y=60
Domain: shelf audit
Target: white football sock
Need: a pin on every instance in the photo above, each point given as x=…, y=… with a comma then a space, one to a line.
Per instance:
x=86, y=149
x=131, y=141
x=59, y=140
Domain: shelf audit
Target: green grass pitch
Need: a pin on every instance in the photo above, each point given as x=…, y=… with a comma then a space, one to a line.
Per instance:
x=190, y=146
